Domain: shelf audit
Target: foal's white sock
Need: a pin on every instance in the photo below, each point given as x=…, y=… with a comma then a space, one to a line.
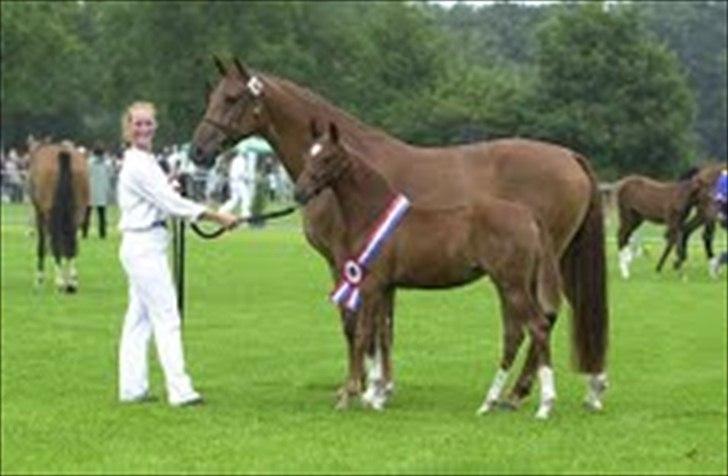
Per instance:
x=625, y=258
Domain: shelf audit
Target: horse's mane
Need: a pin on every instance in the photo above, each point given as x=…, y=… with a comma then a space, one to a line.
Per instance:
x=324, y=111
x=688, y=174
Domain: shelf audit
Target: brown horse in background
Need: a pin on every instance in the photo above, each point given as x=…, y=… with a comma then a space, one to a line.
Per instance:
x=439, y=247
x=641, y=198
x=555, y=183
x=701, y=198
x=59, y=191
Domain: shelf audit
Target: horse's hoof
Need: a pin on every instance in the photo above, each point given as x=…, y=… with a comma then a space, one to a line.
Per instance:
x=544, y=410
x=486, y=407
x=71, y=289
x=593, y=405
x=374, y=400
x=510, y=405
x=342, y=399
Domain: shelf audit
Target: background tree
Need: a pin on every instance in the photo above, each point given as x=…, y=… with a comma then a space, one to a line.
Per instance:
x=696, y=32
x=604, y=82
x=609, y=90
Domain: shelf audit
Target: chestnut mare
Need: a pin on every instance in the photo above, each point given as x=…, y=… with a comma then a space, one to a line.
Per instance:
x=641, y=198
x=435, y=247
x=59, y=190
x=555, y=183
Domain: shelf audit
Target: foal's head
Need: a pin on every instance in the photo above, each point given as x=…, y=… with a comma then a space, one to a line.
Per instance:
x=325, y=162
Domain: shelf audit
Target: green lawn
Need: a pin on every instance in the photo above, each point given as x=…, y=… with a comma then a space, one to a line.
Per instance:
x=265, y=348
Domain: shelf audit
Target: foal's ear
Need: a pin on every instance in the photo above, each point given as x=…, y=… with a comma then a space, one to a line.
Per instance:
x=220, y=66
x=333, y=132
x=314, y=128
x=241, y=69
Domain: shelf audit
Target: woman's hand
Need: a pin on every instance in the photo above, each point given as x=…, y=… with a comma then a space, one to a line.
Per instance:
x=226, y=220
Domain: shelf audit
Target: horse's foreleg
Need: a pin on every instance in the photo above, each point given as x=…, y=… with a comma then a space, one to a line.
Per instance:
x=379, y=377
x=683, y=236
x=362, y=339
x=348, y=324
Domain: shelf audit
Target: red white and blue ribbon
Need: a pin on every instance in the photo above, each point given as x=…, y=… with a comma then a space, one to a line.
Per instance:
x=347, y=291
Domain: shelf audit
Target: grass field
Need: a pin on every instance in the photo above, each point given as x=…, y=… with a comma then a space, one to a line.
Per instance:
x=265, y=348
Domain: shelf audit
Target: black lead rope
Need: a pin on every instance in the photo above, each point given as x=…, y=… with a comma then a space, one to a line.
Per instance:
x=253, y=219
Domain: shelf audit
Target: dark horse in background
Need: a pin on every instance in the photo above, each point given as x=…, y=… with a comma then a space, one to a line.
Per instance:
x=59, y=190
x=556, y=184
x=702, y=187
x=428, y=247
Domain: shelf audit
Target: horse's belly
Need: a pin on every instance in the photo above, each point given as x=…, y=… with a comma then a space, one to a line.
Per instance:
x=435, y=261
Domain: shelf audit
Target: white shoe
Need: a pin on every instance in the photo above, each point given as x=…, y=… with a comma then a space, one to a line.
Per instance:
x=193, y=399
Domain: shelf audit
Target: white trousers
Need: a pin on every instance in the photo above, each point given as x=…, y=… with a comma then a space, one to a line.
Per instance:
x=240, y=192
x=152, y=311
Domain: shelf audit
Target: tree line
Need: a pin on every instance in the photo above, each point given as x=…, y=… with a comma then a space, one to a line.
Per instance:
x=636, y=87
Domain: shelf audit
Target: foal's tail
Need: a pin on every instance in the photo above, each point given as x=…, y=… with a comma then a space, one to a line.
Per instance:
x=63, y=212
x=584, y=269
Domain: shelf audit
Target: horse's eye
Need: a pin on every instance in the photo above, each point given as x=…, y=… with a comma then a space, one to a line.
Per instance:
x=230, y=100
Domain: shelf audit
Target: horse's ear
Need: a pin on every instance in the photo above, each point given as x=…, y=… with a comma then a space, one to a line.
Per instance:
x=333, y=132
x=314, y=128
x=220, y=66
x=241, y=69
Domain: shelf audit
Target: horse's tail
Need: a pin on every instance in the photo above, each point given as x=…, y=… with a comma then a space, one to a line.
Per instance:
x=63, y=212
x=584, y=270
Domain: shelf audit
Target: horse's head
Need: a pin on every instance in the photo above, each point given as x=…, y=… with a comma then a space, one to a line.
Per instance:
x=234, y=111
x=324, y=163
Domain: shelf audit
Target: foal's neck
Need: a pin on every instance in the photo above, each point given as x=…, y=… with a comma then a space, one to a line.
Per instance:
x=363, y=194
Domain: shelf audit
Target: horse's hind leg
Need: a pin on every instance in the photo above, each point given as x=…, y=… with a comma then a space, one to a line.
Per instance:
x=41, y=249
x=519, y=308
x=72, y=276
x=629, y=221
x=60, y=271
x=522, y=388
x=671, y=238
x=512, y=339
x=708, y=234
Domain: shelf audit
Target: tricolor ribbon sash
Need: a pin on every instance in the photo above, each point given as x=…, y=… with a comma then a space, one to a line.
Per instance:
x=346, y=293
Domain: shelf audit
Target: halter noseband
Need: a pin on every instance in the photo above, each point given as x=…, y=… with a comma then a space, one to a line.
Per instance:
x=255, y=87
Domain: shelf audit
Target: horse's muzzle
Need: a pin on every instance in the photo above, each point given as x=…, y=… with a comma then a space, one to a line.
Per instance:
x=301, y=197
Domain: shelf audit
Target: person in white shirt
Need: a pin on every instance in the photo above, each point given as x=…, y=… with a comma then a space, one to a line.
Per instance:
x=241, y=178
x=146, y=199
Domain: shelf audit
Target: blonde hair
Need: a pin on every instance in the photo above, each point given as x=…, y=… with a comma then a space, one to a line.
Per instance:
x=126, y=133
